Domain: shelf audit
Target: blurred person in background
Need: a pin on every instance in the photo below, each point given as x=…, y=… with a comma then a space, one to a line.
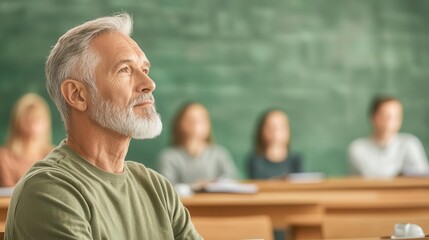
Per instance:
x=29, y=138
x=387, y=153
x=193, y=157
x=272, y=156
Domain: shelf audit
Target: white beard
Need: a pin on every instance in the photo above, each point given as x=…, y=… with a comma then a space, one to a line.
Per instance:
x=123, y=120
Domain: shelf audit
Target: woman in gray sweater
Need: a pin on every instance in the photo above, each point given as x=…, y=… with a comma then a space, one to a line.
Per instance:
x=193, y=157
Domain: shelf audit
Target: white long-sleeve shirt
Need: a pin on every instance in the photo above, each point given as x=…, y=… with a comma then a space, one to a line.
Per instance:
x=403, y=155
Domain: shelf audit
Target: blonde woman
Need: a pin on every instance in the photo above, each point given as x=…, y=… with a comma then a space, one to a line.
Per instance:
x=29, y=138
x=194, y=158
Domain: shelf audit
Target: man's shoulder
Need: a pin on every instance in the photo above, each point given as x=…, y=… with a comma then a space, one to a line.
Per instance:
x=50, y=173
x=134, y=166
x=55, y=163
x=139, y=169
x=45, y=175
x=150, y=180
x=44, y=181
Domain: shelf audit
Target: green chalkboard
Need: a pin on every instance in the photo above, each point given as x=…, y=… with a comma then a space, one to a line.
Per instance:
x=320, y=61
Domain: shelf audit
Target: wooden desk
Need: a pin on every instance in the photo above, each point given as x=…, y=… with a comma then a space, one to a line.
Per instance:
x=303, y=206
x=4, y=204
x=350, y=183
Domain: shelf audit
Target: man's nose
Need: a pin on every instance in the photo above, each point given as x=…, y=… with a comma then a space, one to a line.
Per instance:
x=145, y=84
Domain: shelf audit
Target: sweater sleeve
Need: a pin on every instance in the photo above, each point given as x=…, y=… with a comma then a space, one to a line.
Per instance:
x=48, y=207
x=183, y=228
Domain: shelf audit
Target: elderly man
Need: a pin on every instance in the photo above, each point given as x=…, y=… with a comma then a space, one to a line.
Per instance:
x=99, y=79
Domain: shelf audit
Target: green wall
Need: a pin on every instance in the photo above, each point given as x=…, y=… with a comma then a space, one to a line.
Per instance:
x=320, y=61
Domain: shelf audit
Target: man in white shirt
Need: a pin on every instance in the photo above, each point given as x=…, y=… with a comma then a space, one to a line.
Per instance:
x=387, y=153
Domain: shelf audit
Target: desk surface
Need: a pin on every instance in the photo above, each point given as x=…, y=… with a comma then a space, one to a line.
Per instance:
x=328, y=198
x=340, y=192
x=350, y=183
x=306, y=210
x=305, y=205
x=4, y=202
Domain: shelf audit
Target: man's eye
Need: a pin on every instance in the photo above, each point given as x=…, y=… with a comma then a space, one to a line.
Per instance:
x=124, y=70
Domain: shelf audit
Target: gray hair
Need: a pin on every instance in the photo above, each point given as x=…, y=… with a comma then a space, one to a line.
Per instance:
x=73, y=58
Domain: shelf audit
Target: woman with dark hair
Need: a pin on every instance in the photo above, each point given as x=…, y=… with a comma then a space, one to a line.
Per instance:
x=387, y=153
x=194, y=158
x=272, y=157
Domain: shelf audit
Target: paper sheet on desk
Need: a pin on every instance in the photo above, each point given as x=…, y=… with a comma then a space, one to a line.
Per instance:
x=230, y=187
x=6, y=191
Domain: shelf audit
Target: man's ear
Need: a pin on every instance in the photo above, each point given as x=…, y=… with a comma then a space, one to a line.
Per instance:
x=75, y=94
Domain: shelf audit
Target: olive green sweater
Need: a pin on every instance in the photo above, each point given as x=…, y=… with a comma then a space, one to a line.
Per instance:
x=66, y=197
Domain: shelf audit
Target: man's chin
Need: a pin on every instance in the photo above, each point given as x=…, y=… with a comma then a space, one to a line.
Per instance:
x=149, y=134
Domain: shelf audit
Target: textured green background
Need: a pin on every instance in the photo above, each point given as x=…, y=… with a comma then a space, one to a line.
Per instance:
x=321, y=61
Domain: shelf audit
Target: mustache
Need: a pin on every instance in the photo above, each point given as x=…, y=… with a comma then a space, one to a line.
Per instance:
x=142, y=98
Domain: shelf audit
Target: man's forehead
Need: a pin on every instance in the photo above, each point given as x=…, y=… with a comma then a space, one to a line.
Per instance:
x=116, y=45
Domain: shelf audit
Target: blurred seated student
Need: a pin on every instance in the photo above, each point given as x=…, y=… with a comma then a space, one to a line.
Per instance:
x=193, y=157
x=386, y=153
x=272, y=157
x=29, y=138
